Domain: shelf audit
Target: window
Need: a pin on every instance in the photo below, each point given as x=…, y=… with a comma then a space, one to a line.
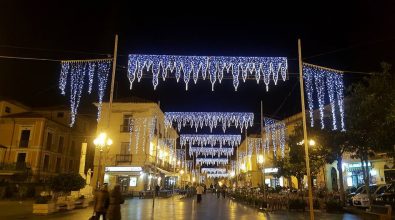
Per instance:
x=7, y=109
x=72, y=148
x=58, y=161
x=60, y=145
x=25, y=136
x=21, y=161
x=125, y=123
x=71, y=169
x=60, y=114
x=125, y=148
x=46, y=163
x=49, y=141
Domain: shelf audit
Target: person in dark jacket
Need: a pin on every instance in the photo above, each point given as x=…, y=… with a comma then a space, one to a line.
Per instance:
x=116, y=199
x=101, y=202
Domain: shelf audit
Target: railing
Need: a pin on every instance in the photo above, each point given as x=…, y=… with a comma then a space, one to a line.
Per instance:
x=122, y=158
x=18, y=166
x=124, y=128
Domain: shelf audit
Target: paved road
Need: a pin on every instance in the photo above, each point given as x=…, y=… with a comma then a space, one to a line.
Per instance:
x=172, y=208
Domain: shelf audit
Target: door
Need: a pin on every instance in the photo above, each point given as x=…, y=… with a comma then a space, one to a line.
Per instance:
x=21, y=161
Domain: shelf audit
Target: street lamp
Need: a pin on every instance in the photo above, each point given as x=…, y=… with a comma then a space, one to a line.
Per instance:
x=261, y=162
x=101, y=142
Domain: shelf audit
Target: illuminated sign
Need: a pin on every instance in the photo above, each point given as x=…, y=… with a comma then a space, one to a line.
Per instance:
x=123, y=169
x=133, y=181
x=271, y=170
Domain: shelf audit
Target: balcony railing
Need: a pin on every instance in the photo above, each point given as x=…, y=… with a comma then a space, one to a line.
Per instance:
x=122, y=158
x=18, y=166
x=124, y=128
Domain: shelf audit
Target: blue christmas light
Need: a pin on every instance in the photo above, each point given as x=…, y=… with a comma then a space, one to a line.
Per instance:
x=333, y=79
x=275, y=135
x=216, y=66
x=210, y=119
x=209, y=139
x=211, y=151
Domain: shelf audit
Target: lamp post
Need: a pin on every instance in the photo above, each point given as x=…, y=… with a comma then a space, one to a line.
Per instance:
x=261, y=163
x=101, y=142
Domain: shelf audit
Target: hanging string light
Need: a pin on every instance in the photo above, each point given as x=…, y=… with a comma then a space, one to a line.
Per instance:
x=76, y=70
x=217, y=175
x=328, y=81
x=181, y=156
x=254, y=143
x=275, y=135
x=215, y=66
x=209, y=139
x=212, y=161
x=210, y=119
x=211, y=151
x=213, y=170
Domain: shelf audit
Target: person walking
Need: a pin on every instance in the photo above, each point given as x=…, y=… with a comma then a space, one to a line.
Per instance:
x=157, y=188
x=218, y=190
x=199, y=192
x=116, y=199
x=101, y=202
x=223, y=190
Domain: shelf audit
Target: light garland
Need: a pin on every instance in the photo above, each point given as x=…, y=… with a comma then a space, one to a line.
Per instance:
x=275, y=135
x=333, y=79
x=212, y=161
x=254, y=143
x=210, y=119
x=189, y=165
x=181, y=156
x=216, y=66
x=77, y=70
x=213, y=170
x=209, y=139
x=211, y=151
x=217, y=175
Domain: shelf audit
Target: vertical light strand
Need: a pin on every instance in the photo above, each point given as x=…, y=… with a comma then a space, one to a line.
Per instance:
x=308, y=79
x=331, y=94
x=102, y=73
x=340, y=97
x=320, y=88
x=91, y=73
x=63, y=77
x=77, y=83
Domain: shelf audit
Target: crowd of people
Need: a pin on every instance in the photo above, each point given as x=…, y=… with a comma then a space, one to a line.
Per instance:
x=108, y=204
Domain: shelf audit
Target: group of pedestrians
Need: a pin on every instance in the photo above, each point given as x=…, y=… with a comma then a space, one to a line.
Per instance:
x=108, y=204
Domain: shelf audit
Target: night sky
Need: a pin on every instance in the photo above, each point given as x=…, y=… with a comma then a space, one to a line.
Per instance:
x=355, y=37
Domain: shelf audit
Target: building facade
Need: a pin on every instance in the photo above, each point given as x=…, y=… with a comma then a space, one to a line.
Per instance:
x=38, y=143
x=143, y=152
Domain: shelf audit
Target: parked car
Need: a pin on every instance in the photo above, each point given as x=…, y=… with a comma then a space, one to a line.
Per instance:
x=362, y=200
x=387, y=197
x=351, y=195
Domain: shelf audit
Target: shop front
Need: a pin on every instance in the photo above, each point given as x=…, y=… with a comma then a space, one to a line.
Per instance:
x=132, y=179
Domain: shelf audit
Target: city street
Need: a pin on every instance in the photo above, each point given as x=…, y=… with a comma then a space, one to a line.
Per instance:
x=171, y=208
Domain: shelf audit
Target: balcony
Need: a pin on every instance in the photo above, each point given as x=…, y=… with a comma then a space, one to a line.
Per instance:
x=123, y=158
x=124, y=128
x=14, y=167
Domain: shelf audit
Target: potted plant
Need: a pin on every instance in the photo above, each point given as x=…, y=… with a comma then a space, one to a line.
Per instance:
x=44, y=205
x=62, y=185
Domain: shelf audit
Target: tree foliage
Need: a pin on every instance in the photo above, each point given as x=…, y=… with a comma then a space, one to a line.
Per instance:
x=67, y=182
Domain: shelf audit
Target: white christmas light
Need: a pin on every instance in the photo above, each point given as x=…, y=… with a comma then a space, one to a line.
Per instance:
x=216, y=66
x=209, y=139
x=211, y=119
x=76, y=70
x=275, y=135
x=333, y=79
x=211, y=151
x=181, y=156
x=212, y=161
x=254, y=143
x=213, y=170
x=217, y=175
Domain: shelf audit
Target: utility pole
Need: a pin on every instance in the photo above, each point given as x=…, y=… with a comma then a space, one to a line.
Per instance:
x=306, y=144
x=264, y=155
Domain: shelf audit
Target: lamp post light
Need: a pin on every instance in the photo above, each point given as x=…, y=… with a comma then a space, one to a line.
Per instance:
x=101, y=142
x=261, y=163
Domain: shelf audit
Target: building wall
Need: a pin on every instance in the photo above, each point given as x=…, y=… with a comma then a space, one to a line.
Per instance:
x=142, y=145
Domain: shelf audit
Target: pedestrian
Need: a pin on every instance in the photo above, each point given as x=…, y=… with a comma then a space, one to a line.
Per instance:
x=102, y=202
x=116, y=199
x=205, y=188
x=223, y=190
x=199, y=192
x=157, y=188
x=218, y=190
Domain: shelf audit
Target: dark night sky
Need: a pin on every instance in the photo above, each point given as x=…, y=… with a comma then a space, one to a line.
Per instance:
x=350, y=37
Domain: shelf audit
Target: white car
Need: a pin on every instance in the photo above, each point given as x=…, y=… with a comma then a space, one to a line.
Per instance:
x=362, y=200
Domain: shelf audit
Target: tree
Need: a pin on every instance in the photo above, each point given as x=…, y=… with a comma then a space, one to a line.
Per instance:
x=333, y=145
x=370, y=117
x=295, y=163
x=67, y=182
